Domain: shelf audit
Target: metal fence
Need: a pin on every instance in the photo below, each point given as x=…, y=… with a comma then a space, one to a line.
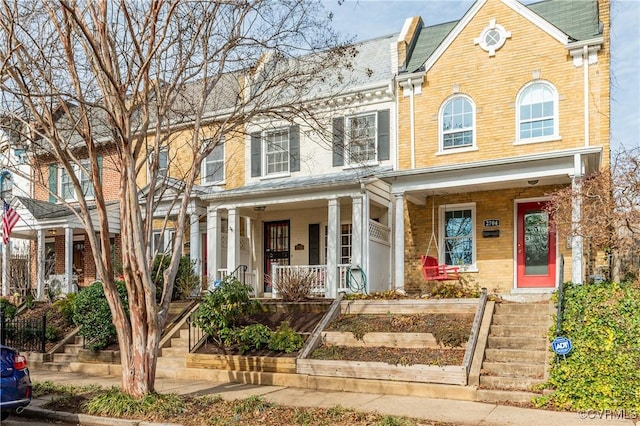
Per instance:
x=24, y=334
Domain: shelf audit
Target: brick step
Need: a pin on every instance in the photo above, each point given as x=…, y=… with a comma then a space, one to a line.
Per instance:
x=518, y=331
x=498, y=395
x=522, y=308
x=531, y=343
x=509, y=319
x=509, y=369
x=515, y=355
x=508, y=383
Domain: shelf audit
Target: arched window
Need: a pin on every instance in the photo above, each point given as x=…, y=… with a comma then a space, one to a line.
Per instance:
x=537, y=113
x=457, y=123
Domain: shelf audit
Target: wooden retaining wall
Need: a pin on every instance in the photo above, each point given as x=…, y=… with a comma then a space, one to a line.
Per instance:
x=395, y=340
x=409, y=306
x=448, y=374
x=242, y=363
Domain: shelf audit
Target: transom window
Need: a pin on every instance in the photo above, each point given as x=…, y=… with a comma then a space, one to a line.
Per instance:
x=456, y=123
x=277, y=151
x=458, y=231
x=361, y=144
x=537, y=113
x=213, y=169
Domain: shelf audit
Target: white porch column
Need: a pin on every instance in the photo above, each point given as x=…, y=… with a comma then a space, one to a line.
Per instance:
x=6, y=256
x=233, y=242
x=68, y=259
x=398, y=242
x=333, y=247
x=577, y=246
x=213, y=243
x=357, y=230
x=194, y=243
x=40, y=264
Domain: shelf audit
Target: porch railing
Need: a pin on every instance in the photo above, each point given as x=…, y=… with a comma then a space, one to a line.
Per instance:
x=319, y=274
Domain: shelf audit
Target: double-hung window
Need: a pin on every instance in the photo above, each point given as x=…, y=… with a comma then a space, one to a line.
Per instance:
x=82, y=173
x=276, y=152
x=163, y=162
x=457, y=123
x=213, y=169
x=163, y=241
x=361, y=141
x=537, y=113
x=458, y=235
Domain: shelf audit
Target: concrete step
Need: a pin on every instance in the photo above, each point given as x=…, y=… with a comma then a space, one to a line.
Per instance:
x=72, y=348
x=518, y=331
x=522, y=308
x=498, y=395
x=530, y=343
x=171, y=363
x=508, y=383
x=509, y=369
x=50, y=366
x=174, y=352
x=65, y=357
x=515, y=355
x=180, y=341
x=509, y=319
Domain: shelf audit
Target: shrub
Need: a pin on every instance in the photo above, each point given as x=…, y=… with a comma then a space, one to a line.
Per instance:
x=93, y=316
x=254, y=336
x=185, y=282
x=602, y=372
x=224, y=309
x=52, y=333
x=285, y=339
x=8, y=309
x=295, y=284
x=65, y=306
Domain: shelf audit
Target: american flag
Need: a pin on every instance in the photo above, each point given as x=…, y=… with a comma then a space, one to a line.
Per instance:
x=9, y=219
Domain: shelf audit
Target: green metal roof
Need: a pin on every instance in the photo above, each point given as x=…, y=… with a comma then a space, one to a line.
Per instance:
x=576, y=18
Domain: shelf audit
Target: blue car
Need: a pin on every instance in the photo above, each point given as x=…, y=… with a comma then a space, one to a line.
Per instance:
x=15, y=389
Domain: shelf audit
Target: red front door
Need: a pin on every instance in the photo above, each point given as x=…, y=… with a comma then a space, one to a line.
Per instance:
x=536, y=247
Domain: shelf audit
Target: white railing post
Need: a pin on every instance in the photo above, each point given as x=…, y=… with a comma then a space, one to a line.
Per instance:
x=275, y=278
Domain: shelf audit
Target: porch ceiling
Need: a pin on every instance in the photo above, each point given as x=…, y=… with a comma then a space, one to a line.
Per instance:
x=525, y=171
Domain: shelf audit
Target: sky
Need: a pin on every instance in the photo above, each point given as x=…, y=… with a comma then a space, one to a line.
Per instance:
x=366, y=19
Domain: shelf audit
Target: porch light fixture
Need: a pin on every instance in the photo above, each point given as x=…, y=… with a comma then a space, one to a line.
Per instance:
x=259, y=208
x=532, y=182
x=52, y=232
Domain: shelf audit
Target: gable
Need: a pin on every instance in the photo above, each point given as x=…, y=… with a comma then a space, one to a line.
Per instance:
x=562, y=20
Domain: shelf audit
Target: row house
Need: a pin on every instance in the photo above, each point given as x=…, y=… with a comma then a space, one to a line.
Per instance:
x=496, y=111
x=441, y=142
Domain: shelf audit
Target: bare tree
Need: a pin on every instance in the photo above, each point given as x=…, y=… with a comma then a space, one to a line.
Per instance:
x=610, y=212
x=82, y=76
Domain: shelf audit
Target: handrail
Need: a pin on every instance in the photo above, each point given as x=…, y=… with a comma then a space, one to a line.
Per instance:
x=240, y=271
x=196, y=335
x=475, y=329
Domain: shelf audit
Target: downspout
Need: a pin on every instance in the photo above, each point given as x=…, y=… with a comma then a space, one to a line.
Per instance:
x=585, y=56
x=412, y=125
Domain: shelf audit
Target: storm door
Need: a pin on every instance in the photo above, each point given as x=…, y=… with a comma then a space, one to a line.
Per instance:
x=276, y=247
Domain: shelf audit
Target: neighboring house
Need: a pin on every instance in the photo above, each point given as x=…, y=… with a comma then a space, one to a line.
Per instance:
x=61, y=255
x=309, y=199
x=496, y=110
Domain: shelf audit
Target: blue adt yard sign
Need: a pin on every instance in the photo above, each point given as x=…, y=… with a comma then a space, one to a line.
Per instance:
x=561, y=345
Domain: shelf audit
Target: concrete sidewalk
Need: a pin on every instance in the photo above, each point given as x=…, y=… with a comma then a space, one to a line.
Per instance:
x=443, y=410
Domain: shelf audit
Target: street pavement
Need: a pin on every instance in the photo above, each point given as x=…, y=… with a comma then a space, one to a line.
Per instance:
x=442, y=410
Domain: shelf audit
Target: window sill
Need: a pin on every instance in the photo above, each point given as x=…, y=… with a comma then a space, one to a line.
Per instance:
x=361, y=165
x=457, y=150
x=537, y=140
x=275, y=176
x=218, y=183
